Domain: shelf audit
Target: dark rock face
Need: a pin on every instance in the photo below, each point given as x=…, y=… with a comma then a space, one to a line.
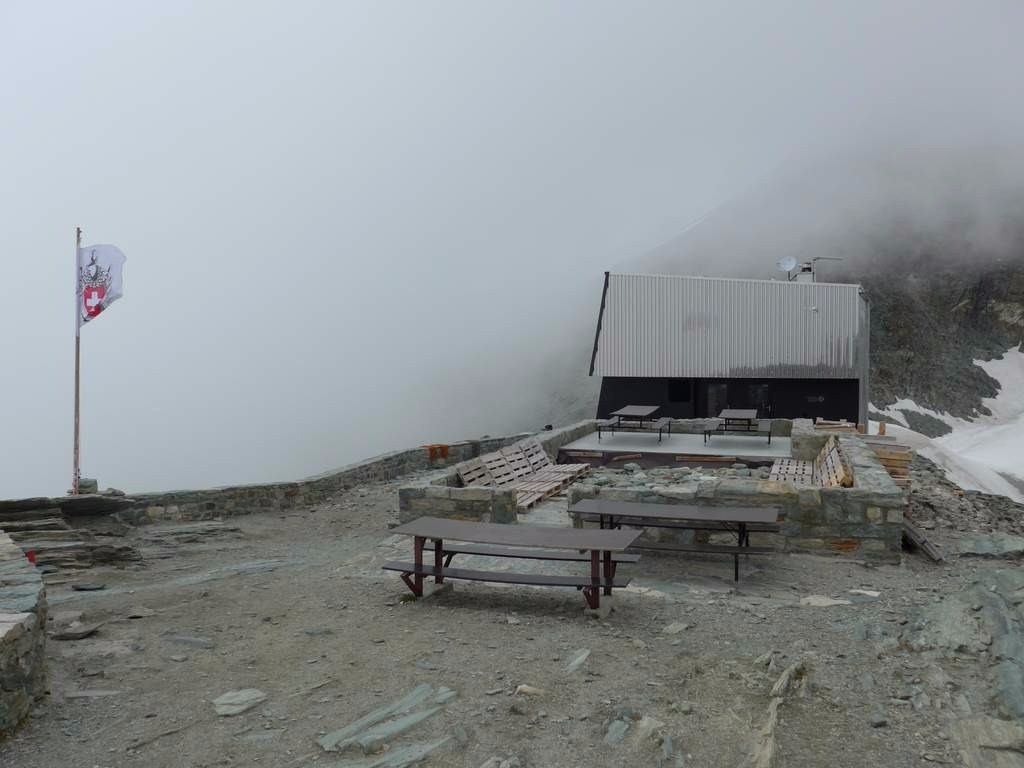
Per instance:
x=925, y=424
x=930, y=319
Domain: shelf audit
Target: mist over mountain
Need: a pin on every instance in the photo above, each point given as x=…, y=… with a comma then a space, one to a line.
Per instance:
x=935, y=235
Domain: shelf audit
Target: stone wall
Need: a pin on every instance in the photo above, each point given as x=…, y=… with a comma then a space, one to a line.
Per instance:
x=865, y=520
x=441, y=495
x=276, y=497
x=22, y=635
x=806, y=442
x=780, y=427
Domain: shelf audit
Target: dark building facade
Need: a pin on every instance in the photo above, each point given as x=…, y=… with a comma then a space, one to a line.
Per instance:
x=696, y=345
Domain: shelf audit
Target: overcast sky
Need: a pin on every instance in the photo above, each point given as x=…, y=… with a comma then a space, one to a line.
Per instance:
x=358, y=226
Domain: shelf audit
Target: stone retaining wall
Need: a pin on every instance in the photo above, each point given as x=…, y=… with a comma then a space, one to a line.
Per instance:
x=441, y=495
x=865, y=520
x=22, y=635
x=806, y=442
x=276, y=497
x=780, y=427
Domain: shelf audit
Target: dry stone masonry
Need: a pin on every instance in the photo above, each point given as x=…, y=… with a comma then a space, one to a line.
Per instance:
x=440, y=495
x=22, y=635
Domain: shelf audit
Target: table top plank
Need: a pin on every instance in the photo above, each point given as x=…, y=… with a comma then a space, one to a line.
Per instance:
x=516, y=535
x=750, y=414
x=634, y=509
x=636, y=411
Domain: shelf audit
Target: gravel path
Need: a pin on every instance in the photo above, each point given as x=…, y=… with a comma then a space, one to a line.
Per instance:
x=297, y=607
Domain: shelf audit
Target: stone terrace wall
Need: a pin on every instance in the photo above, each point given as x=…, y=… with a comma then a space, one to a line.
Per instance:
x=441, y=495
x=275, y=497
x=780, y=427
x=866, y=520
x=22, y=635
x=806, y=442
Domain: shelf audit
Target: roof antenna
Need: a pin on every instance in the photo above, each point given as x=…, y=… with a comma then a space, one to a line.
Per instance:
x=807, y=273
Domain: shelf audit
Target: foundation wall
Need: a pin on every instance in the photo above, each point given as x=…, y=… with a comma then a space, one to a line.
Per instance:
x=22, y=635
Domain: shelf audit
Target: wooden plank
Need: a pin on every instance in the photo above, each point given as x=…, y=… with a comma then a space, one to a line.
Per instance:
x=915, y=536
x=545, y=536
x=499, y=468
x=626, y=457
x=517, y=461
x=473, y=473
x=504, y=577
x=524, y=553
x=535, y=454
x=623, y=510
x=693, y=457
x=891, y=454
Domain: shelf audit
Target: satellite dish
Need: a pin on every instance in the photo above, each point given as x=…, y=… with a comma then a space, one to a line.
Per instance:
x=788, y=264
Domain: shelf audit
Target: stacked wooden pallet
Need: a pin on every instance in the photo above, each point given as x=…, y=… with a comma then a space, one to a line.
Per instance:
x=834, y=426
x=523, y=467
x=895, y=458
x=827, y=470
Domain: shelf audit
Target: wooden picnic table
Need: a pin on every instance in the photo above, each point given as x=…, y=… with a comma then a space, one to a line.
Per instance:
x=635, y=413
x=615, y=514
x=603, y=549
x=740, y=421
x=631, y=417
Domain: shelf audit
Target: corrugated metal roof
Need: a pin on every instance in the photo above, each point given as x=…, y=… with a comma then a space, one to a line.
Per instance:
x=671, y=326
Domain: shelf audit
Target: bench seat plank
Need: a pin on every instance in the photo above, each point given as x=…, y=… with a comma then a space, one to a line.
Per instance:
x=502, y=577
x=714, y=549
x=627, y=509
x=527, y=554
x=695, y=525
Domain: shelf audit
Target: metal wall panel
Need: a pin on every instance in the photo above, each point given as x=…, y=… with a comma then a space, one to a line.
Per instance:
x=655, y=325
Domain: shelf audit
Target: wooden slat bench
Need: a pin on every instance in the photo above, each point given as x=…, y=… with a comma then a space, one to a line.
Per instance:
x=502, y=577
x=689, y=525
x=602, y=549
x=827, y=470
x=540, y=461
x=617, y=425
x=738, y=520
x=486, y=550
x=523, y=467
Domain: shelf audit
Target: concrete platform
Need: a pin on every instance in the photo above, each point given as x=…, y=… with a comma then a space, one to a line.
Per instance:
x=742, y=446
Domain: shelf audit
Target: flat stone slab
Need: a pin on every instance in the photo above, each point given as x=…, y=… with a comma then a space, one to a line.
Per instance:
x=88, y=586
x=237, y=702
x=993, y=545
x=76, y=632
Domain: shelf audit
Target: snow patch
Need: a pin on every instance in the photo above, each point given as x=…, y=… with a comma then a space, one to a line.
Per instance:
x=979, y=454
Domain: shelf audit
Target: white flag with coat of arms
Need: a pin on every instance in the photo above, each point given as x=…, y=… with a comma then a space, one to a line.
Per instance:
x=100, y=280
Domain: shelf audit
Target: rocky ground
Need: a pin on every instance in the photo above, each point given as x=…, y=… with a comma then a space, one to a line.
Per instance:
x=808, y=661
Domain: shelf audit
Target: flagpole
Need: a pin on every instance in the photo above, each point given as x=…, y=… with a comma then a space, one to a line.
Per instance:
x=78, y=354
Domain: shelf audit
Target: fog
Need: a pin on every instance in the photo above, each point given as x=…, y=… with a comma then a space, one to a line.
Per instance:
x=353, y=227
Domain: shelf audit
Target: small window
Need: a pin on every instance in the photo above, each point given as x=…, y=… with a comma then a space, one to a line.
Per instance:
x=680, y=390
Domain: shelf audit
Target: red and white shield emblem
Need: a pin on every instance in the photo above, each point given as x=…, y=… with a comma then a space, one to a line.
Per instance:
x=92, y=298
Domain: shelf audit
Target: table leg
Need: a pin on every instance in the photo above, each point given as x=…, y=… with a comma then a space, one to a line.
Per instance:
x=438, y=555
x=609, y=572
x=417, y=549
x=593, y=593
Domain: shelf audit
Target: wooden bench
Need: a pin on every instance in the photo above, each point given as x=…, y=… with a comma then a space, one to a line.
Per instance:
x=540, y=461
x=602, y=549
x=616, y=425
x=486, y=550
x=758, y=428
x=827, y=470
x=689, y=525
x=523, y=467
x=738, y=520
